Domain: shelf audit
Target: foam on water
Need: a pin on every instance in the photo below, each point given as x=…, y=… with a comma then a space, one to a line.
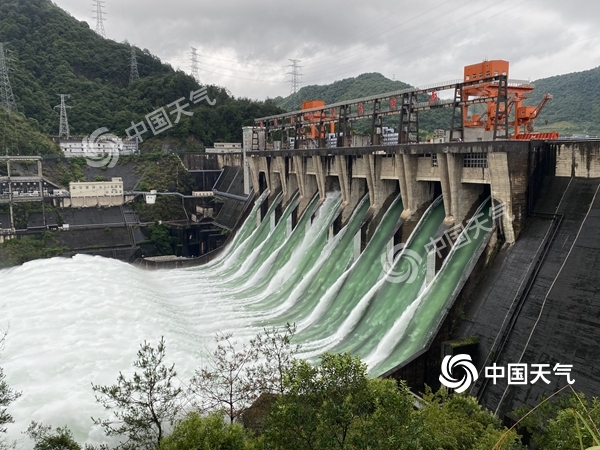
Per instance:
x=79, y=321
x=74, y=322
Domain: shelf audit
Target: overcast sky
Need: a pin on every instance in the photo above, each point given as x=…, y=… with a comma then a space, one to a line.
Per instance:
x=246, y=45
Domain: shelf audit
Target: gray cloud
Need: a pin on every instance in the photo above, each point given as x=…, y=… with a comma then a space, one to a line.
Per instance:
x=245, y=46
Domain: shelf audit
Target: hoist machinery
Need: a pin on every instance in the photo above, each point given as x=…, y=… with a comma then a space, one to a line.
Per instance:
x=504, y=103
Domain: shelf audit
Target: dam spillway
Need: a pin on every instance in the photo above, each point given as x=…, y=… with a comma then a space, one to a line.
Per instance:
x=296, y=258
x=97, y=310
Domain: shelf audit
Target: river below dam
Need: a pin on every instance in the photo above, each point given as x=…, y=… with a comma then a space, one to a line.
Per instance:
x=74, y=322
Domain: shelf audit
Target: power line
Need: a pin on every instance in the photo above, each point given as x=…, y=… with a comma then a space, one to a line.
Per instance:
x=295, y=75
x=64, y=122
x=133, y=73
x=195, y=64
x=261, y=64
x=240, y=78
x=99, y=17
x=7, y=99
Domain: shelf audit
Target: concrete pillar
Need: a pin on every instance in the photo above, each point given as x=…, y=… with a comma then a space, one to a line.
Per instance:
x=254, y=164
x=342, y=170
x=384, y=187
x=454, y=164
x=445, y=180
x=300, y=169
x=417, y=192
x=502, y=191
x=264, y=168
x=320, y=174
x=279, y=164
x=401, y=175
x=370, y=166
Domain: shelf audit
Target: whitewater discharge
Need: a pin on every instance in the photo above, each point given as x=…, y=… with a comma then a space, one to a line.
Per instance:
x=80, y=321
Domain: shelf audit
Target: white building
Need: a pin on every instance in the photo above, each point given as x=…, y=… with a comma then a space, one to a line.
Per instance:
x=96, y=193
x=225, y=147
x=95, y=147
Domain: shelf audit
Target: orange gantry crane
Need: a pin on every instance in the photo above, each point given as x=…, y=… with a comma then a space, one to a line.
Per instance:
x=316, y=118
x=505, y=105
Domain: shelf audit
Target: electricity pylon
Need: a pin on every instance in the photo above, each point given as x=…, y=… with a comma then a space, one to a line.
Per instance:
x=98, y=4
x=7, y=99
x=64, y=122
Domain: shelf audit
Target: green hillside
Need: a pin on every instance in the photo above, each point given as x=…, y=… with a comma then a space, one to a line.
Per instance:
x=569, y=112
x=346, y=89
x=53, y=53
x=363, y=86
x=21, y=136
x=573, y=108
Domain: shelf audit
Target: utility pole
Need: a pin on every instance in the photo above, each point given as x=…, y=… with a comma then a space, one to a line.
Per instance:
x=195, y=65
x=98, y=4
x=133, y=74
x=64, y=122
x=295, y=75
x=7, y=99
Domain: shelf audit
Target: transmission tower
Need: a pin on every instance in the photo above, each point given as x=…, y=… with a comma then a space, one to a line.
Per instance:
x=98, y=5
x=295, y=75
x=133, y=74
x=195, y=65
x=7, y=99
x=64, y=122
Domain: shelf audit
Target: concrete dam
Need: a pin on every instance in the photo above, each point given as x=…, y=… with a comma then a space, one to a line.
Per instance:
x=477, y=243
x=406, y=253
x=403, y=254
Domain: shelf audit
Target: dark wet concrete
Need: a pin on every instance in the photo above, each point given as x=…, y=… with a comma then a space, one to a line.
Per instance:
x=564, y=294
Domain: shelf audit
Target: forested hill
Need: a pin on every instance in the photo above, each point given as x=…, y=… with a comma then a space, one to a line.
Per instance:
x=53, y=53
x=346, y=89
x=572, y=109
x=362, y=86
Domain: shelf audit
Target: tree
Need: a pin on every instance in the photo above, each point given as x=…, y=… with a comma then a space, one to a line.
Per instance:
x=45, y=439
x=142, y=406
x=224, y=383
x=235, y=375
x=7, y=395
x=567, y=422
x=276, y=353
x=205, y=433
x=457, y=421
x=336, y=406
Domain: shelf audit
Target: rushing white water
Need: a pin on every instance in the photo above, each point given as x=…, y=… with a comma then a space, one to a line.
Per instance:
x=74, y=322
x=79, y=321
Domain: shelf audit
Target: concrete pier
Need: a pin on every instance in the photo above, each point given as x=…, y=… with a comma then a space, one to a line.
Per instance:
x=463, y=172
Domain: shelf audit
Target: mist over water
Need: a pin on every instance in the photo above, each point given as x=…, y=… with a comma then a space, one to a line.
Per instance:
x=74, y=322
